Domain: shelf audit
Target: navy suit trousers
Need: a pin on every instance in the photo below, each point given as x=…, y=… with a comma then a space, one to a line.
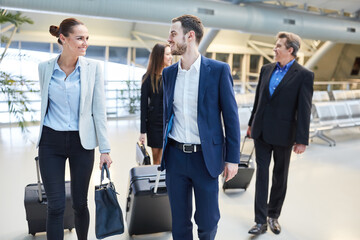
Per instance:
x=186, y=172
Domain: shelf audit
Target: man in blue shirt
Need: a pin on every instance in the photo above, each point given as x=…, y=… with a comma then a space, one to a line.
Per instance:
x=279, y=123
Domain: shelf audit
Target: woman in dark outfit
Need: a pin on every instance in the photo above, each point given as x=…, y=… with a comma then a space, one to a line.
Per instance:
x=152, y=100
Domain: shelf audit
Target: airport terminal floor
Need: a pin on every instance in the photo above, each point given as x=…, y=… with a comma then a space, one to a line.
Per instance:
x=322, y=201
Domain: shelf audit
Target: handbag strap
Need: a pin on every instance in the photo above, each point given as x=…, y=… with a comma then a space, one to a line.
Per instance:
x=104, y=167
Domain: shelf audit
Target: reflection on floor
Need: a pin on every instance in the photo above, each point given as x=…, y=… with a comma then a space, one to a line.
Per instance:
x=322, y=199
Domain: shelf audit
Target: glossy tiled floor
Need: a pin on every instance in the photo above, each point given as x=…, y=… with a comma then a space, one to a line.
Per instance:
x=323, y=199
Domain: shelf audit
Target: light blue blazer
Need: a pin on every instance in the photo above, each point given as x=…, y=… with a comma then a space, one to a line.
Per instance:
x=92, y=113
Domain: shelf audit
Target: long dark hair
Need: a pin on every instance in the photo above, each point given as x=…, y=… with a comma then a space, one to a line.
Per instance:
x=155, y=66
x=65, y=28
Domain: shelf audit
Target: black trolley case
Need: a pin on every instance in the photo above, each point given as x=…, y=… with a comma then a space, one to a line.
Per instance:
x=36, y=206
x=147, y=205
x=246, y=171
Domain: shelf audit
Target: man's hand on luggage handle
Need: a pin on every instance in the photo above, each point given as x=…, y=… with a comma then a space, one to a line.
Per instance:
x=230, y=170
x=248, y=132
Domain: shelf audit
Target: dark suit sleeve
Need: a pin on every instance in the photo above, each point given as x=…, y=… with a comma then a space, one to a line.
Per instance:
x=304, y=108
x=230, y=116
x=144, y=105
x=256, y=101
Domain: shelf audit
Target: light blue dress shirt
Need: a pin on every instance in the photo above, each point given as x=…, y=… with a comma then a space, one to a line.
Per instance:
x=278, y=75
x=64, y=100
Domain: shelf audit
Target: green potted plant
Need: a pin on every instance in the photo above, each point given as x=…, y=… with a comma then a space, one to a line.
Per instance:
x=14, y=88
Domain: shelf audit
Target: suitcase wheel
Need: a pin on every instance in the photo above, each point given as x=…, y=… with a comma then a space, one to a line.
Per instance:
x=33, y=234
x=70, y=229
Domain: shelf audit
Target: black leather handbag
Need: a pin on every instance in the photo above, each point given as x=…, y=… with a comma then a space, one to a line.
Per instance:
x=142, y=156
x=109, y=218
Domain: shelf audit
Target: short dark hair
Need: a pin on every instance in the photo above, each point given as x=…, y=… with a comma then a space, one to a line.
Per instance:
x=191, y=22
x=65, y=28
x=292, y=40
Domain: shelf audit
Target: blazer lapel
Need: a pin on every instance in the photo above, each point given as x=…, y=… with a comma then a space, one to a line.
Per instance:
x=287, y=78
x=203, y=81
x=83, y=81
x=48, y=73
x=171, y=80
x=46, y=82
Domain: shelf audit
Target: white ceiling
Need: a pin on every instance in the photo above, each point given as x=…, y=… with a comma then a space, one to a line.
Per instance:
x=119, y=32
x=350, y=6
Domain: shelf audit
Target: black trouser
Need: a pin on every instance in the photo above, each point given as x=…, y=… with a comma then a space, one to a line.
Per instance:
x=279, y=180
x=55, y=147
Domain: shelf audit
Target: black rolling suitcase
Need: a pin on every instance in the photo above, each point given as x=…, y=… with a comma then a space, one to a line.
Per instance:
x=147, y=206
x=36, y=206
x=246, y=171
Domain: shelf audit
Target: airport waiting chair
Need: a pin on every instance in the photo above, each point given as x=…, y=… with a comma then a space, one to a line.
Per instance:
x=356, y=93
x=320, y=96
x=245, y=99
x=324, y=118
x=350, y=95
x=339, y=95
x=343, y=115
x=354, y=109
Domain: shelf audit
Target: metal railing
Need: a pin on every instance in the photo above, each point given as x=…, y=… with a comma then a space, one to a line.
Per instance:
x=123, y=97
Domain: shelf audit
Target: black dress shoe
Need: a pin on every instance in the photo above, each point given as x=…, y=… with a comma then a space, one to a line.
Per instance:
x=274, y=225
x=258, y=229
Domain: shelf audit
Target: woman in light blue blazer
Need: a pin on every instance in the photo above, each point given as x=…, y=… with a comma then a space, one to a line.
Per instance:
x=73, y=123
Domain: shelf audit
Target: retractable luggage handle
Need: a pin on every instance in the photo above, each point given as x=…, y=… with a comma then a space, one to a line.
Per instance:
x=242, y=148
x=38, y=179
x=157, y=179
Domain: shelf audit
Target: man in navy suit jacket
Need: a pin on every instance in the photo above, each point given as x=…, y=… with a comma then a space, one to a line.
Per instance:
x=279, y=122
x=199, y=103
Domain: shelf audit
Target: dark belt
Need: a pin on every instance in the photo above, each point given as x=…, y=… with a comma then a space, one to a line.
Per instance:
x=185, y=147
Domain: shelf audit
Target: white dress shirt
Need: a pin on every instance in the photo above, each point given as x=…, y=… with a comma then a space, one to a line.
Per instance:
x=185, y=128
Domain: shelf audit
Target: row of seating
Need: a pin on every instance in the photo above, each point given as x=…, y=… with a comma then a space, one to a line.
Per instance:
x=336, y=95
x=247, y=99
x=331, y=115
x=326, y=114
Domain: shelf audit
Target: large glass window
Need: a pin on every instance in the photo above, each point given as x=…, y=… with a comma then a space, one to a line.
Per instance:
x=142, y=57
x=254, y=63
x=236, y=67
x=224, y=57
x=96, y=52
x=36, y=46
x=208, y=54
x=356, y=67
x=266, y=61
x=118, y=54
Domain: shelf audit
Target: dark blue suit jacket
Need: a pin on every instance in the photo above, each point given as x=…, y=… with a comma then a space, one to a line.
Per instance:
x=216, y=102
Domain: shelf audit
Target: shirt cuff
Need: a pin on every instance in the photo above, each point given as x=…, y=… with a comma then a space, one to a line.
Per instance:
x=105, y=151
